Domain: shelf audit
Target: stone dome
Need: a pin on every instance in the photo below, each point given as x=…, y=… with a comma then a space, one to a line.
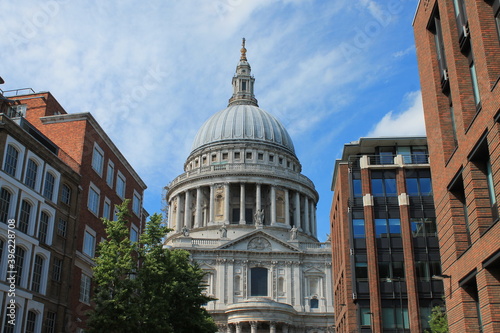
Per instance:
x=243, y=122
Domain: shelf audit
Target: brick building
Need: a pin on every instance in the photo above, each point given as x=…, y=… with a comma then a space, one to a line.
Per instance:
x=106, y=180
x=458, y=52
x=40, y=195
x=384, y=242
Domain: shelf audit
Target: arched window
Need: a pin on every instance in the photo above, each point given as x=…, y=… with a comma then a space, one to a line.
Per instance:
x=19, y=264
x=11, y=158
x=10, y=323
x=24, y=216
x=37, y=273
x=258, y=284
x=5, y=198
x=48, y=189
x=44, y=226
x=66, y=194
x=31, y=173
x=30, y=322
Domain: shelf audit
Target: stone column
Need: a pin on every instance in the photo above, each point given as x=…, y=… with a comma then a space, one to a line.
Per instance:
x=273, y=205
x=242, y=203
x=258, y=198
x=238, y=327
x=297, y=211
x=226, y=203
x=197, y=219
x=253, y=327
x=230, y=281
x=187, y=210
x=314, y=223
x=212, y=205
x=297, y=282
x=306, y=216
x=284, y=328
x=178, y=214
x=287, y=209
x=272, y=327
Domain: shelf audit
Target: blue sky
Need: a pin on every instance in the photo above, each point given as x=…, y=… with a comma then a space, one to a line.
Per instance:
x=151, y=72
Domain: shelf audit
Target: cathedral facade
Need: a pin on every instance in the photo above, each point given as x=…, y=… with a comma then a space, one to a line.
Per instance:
x=247, y=215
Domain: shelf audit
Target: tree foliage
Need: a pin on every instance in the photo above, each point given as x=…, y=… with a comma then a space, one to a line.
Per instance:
x=144, y=287
x=438, y=321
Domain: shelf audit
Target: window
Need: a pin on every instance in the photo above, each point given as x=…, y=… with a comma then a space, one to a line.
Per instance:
x=385, y=155
x=97, y=159
x=389, y=271
x=237, y=155
x=134, y=235
x=110, y=174
x=136, y=204
x=85, y=289
x=386, y=227
x=48, y=189
x=57, y=266
x=24, y=217
x=31, y=172
x=44, y=225
x=366, y=316
x=66, y=194
x=395, y=318
x=260, y=156
x=358, y=228
x=356, y=188
x=30, y=322
x=106, y=208
x=497, y=15
x=89, y=244
x=435, y=28
x=249, y=155
x=456, y=188
x=225, y=156
x=258, y=284
x=461, y=18
x=384, y=183
x=5, y=197
x=19, y=264
x=427, y=269
x=271, y=158
x=120, y=185
x=37, y=273
x=418, y=182
x=9, y=326
x=50, y=323
x=11, y=158
x=314, y=303
x=475, y=84
x=361, y=271
x=471, y=303
x=93, y=200
x=423, y=227
x=62, y=227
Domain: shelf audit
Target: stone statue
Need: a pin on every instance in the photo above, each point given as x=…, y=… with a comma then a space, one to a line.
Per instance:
x=259, y=217
x=293, y=233
x=185, y=231
x=223, y=231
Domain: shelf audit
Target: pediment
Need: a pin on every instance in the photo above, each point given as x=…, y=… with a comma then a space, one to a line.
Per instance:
x=259, y=241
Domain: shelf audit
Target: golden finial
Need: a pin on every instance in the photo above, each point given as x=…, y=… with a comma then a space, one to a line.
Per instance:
x=243, y=51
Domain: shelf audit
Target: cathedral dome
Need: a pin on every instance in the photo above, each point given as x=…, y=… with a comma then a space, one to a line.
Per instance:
x=243, y=122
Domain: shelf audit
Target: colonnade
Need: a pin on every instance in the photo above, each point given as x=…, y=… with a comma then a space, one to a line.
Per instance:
x=257, y=326
x=209, y=205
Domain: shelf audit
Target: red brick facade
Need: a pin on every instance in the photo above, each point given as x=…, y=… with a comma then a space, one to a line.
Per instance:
x=465, y=166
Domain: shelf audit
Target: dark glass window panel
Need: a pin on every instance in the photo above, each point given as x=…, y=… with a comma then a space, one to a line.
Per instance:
x=384, y=271
x=24, y=217
x=398, y=270
x=395, y=227
x=48, y=189
x=5, y=198
x=390, y=187
x=358, y=228
x=31, y=171
x=44, y=225
x=258, y=285
x=377, y=187
x=381, y=228
x=37, y=274
x=11, y=158
x=19, y=264
x=314, y=303
x=361, y=271
x=356, y=188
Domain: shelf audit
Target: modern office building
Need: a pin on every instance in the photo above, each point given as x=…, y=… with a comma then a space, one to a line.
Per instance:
x=458, y=50
x=248, y=217
x=384, y=242
x=39, y=203
x=106, y=179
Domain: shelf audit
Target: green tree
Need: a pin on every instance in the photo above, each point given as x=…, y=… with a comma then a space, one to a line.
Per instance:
x=438, y=321
x=146, y=288
x=114, y=296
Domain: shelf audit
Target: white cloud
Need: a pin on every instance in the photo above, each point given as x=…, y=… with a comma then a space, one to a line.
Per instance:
x=409, y=122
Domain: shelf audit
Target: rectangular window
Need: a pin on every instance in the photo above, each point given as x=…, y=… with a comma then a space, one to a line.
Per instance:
x=120, y=185
x=358, y=228
x=134, y=235
x=418, y=183
x=475, y=84
x=93, y=201
x=136, y=204
x=395, y=318
x=48, y=188
x=31, y=172
x=97, y=159
x=384, y=183
x=356, y=188
x=456, y=188
x=57, y=269
x=5, y=198
x=110, y=174
x=89, y=244
x=106, y=209
x=50, y=323
x=43, y=228
x=37, y=274
x=423, y=227
x=10, y=164
x=361, y=271
x=237, y=155
x=85, y=283
x=258, y=284
x=62, y=226
x=497, y=20
x=30, y=322
x=66, y=194
x=18, y=266
x=366, y=316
